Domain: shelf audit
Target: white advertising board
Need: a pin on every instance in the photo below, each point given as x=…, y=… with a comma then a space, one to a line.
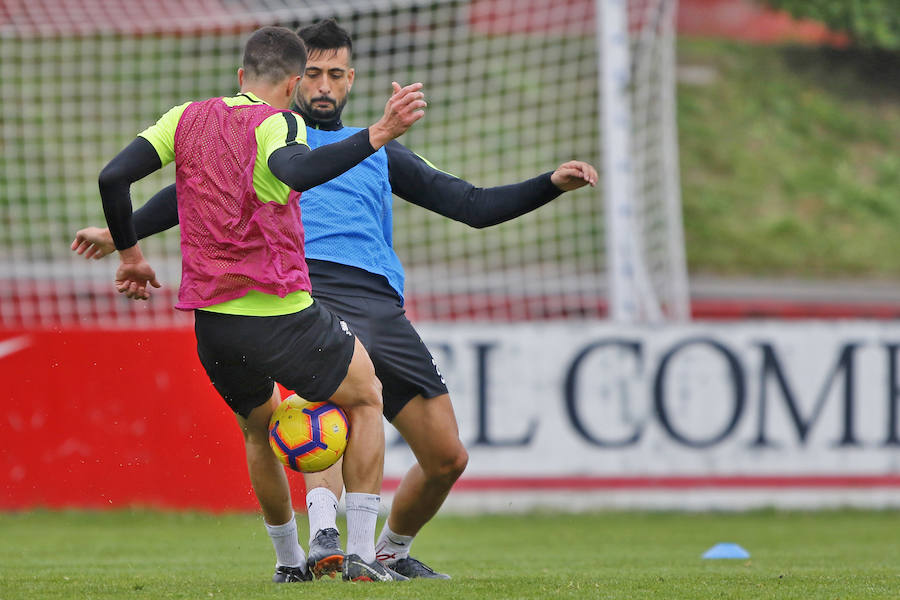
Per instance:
x=699, y=415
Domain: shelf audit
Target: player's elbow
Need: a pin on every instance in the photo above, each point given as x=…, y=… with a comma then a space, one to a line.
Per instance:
x=471, y=216
x=480, y=223
x=477, y=221
x=111, y=177
x=474, y=211
x=293, y=178
x=296, y=182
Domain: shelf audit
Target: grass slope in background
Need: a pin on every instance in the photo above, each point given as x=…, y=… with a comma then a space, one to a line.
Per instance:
x=829, y=554
x=790, y=160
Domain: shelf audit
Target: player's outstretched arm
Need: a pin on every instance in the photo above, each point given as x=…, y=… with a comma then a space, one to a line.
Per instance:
x=417, y=181
x=574, y=174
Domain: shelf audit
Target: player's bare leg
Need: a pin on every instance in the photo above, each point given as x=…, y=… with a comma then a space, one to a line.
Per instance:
x=424, y=488
x=271, y=487
x=360, y=397
x=429, y=427
x=363, y=467
x=267, y=475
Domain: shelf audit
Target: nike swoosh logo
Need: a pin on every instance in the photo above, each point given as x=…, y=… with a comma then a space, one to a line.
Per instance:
x=13, y=345
x=378, y=576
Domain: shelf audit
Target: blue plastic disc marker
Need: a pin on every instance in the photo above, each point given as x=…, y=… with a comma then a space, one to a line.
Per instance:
x=726, y=550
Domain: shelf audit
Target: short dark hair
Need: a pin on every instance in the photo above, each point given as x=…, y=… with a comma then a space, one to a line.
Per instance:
x=326, y=35
x=274, y=53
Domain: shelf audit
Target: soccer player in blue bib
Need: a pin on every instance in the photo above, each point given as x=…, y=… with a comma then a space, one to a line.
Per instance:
x=356, y=274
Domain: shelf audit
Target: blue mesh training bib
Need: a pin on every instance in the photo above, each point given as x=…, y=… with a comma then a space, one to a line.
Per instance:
x=349, y=219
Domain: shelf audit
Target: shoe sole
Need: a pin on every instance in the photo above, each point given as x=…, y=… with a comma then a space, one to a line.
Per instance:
x=329, y=566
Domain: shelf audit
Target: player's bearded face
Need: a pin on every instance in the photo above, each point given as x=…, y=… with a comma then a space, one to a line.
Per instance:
x=323, y=108
x=326, y=83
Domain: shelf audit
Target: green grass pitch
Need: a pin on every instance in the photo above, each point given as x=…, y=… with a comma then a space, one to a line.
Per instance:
x=147, y=554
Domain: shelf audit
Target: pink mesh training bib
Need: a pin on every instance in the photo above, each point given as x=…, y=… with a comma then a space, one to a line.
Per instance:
x=231, y=242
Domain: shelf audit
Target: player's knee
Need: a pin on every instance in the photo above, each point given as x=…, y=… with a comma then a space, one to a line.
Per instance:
x=370, y=393
x=450, y=467
x=256, y=438
x=459, y=463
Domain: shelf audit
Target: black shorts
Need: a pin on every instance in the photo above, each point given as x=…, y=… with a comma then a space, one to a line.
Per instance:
x=308, y=352
x=375, y=314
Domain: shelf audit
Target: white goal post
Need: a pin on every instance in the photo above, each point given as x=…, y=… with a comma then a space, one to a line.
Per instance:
x=515, y=88
x=647, y=283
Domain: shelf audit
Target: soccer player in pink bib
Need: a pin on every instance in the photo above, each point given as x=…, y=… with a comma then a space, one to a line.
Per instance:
x=241, y=164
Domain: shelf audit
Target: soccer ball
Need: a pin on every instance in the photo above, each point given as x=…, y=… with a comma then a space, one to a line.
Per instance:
x=308, y=436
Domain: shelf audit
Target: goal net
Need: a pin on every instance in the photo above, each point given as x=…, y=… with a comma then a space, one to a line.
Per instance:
x=515, y=88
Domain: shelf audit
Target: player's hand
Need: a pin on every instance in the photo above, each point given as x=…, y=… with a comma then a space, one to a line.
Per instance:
x=134, y=273
x=93, y=242
x=573, y=175
x=405, y=106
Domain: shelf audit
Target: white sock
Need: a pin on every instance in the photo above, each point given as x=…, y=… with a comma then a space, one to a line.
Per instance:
x=391, y=546
x=362, y=515
x=288, y=552
x=321, y=503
